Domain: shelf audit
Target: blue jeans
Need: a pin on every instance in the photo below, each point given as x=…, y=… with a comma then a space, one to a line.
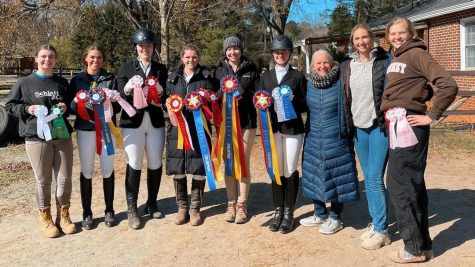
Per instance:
x=372, y=148
x=321, y=209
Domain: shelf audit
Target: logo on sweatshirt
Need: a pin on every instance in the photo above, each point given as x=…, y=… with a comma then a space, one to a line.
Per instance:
x=396, y=67
x=53, y=94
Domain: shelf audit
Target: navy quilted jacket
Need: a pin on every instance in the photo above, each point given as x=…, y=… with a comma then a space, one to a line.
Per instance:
x=329, y=168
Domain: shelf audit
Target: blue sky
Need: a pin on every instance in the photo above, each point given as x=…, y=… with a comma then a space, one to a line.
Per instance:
x=310, y=10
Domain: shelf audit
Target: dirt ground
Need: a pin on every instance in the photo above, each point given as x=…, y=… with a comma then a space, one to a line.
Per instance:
x=450, y=179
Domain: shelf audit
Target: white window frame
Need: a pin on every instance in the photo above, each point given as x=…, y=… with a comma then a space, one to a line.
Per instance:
x=463, y=22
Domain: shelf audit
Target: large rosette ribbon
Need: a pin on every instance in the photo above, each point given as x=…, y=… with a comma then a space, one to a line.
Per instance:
x=103, y=132
x=194, y=102
x=140, y=101
x=175, y=104
x=262, y=100
x=400, y=131
x=283, y=103
x=154, y=90
x=229, y=140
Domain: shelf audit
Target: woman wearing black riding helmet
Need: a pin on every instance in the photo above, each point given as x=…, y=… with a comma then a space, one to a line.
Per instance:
x=288, y=134
x=144, y=132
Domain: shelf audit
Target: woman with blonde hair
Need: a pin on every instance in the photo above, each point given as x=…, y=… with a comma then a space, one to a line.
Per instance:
x=363, y=78
x=404, y=102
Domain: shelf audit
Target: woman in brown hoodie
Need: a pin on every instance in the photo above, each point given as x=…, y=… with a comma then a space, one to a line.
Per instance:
x=404, y=102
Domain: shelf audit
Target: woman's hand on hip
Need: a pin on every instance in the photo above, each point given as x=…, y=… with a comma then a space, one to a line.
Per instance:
x=419, y=120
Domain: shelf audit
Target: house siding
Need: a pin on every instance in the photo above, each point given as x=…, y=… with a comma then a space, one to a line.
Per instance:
x=444, y=46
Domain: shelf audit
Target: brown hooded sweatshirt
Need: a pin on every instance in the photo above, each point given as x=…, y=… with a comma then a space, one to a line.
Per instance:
x=407, y=76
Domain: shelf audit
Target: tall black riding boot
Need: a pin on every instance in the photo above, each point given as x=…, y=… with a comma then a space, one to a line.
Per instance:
x=197, y=189
x=290, y=199
x=108, y=185
x=132, y=185
x=181, y=191
x=154, y=177
x=278, y=197
x=86, y=196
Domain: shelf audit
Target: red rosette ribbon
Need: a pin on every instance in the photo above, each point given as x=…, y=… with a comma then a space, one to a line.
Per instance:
x=152, y=95
x=216, y=109
x=193, y=101
x=175, y=105
x=229, y=84
x=262, y=100
x=83, y=97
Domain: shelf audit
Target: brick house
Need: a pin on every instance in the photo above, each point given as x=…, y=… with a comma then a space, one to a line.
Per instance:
x=448, y=29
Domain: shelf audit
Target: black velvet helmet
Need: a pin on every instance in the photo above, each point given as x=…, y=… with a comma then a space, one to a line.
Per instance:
x=145, y=36
x=281, y=42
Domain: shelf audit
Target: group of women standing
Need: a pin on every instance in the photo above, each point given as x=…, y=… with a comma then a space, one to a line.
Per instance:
x=350, y=106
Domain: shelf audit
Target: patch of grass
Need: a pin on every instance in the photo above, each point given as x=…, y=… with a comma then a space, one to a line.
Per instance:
x=13, y=172
x=460, y=141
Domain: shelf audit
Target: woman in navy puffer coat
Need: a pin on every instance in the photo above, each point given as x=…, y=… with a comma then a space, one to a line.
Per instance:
x=329, y=168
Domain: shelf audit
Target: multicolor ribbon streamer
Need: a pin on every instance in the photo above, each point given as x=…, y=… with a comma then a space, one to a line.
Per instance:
x=262, y=100
x=59, y=129
x=140, y=101
x=283, y=103
x=194, y=102
x=175, y=105
x=401, y=133
x=103, y=132
x=229, y=141
x=42, y=119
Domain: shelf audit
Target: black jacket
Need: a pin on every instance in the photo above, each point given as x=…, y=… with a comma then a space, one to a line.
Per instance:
x=380, y=65
x=180, y=161
x=82, y=81
x=126, y=71
x=33, y=90
x=248, y=77
x=297, y=82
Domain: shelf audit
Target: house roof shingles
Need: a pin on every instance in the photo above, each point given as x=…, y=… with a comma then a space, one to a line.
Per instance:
x=423, y=10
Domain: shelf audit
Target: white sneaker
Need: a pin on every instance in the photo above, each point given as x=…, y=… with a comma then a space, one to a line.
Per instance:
x=312, y=221
x=368, y=232
x=331, y=226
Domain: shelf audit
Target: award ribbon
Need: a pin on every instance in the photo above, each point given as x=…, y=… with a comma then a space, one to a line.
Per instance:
x=154, y=90
x=103, y=132
x=42, y=119
x=83, y=97
x=283, y=104
x=59, y=129
x=174, y=105
x=205, y=96
x=216, y=109
x=229, y=140
x=400, y=131
x=140, y=101
x=113, y=94
x=194, y=102
x=262, y=100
